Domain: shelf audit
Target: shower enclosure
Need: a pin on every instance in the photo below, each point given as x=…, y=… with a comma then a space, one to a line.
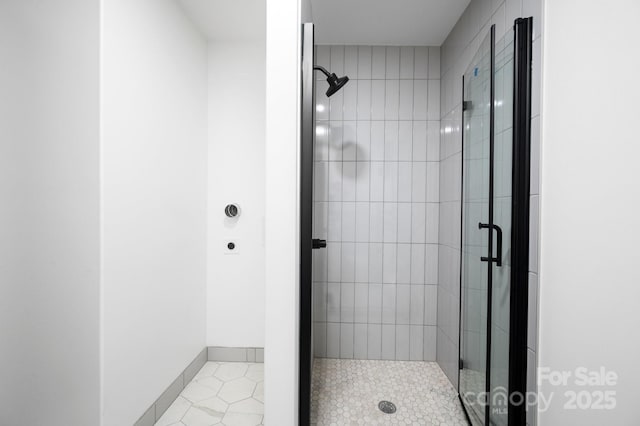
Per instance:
x=307, y=241
x=369, y=186
x=495, y=228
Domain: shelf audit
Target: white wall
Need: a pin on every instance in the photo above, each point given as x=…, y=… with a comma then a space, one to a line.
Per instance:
x=282, y=212
x=589, y=213
x=49, y=213
x=235, y=295
x=154, y=153
x=306, y=12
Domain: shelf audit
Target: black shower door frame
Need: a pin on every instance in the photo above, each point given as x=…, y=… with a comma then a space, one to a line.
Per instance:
x=307, y=135
x=521, y=184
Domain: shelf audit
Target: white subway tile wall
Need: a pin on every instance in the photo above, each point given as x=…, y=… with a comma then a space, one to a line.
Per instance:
x=376, y=201
x=455, y=56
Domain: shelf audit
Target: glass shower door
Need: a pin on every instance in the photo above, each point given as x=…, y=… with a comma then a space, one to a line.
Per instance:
x=495, y=228
x=501, y=269
x=475, y=241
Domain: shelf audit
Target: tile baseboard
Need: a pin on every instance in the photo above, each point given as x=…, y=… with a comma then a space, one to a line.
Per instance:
x=211, y=353
x=160, y=405
x=220, y=353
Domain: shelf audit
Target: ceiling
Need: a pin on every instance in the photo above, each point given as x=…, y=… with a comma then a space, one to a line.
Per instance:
x=385, y=22
x=226, y=20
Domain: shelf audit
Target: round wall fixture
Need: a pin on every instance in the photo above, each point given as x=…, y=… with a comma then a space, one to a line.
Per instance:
x=232, y=210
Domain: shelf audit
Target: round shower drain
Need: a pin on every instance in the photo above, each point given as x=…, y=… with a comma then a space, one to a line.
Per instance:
x=387, y=407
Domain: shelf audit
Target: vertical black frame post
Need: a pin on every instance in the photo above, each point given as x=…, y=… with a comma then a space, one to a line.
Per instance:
x=521, y=177
x=306, y=223
x=460, y=307
x=490, y=258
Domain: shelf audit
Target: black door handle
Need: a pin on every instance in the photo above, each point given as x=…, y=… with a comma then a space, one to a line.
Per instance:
x=498, y=259
x=316, y=243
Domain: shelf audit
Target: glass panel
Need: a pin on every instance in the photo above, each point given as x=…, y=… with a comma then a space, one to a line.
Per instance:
x=501, y=275
x=475, y=209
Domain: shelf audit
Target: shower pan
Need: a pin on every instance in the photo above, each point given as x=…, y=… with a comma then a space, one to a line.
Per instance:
x=495, y=229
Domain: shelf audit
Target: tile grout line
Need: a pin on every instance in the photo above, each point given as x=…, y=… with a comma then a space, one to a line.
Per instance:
x=413, y=102
x=355, y=189
x=341, y=174
x=326, y=286
x=353, y=344
x=384, y=102
x=369, y=206
x=395, y=280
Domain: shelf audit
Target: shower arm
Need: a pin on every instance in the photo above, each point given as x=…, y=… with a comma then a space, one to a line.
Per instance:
x=323, y=70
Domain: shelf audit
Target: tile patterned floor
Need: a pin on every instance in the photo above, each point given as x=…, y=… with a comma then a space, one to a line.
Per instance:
x=347, y=392
x=222, y=393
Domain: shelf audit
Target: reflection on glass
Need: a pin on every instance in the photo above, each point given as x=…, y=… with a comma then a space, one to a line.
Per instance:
x=501, y=275
x=475, y=203
x=487, y=197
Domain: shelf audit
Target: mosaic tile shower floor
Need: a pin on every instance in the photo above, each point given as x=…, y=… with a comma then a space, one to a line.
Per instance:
x=347, y=392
